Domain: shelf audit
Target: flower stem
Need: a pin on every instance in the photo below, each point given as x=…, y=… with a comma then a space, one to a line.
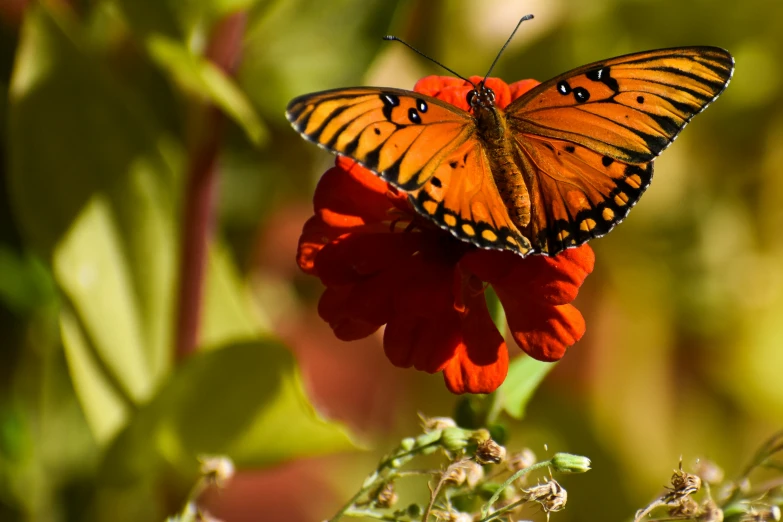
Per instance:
x=373, y=514
x=508, y=482
x=198, y=214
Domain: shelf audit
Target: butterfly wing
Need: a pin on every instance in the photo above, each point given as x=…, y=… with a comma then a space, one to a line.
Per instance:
x=587, y=138
x=421, y=145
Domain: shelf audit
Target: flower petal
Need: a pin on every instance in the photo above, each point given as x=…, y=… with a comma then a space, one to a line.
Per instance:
x=337, y=307
x=519, y=88
x=480, y=362
x=454, y=91
x=543, y=332
x=427, y=344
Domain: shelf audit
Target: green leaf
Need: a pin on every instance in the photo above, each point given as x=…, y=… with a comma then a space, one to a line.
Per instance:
x=295, y=47
x=244, y=401
x=24, y=281
x=200, y=77
x=179, y=19
x=92, y=179
x=524, y=376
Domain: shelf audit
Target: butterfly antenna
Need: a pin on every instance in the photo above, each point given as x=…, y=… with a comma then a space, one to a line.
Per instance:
x=409, y=46
x=526, y=17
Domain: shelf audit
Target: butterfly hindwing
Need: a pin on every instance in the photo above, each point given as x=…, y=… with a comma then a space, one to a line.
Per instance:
x=576, y=194
x=461, y=196
x=629, y=108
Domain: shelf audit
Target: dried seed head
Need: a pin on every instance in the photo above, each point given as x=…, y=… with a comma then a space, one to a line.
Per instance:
x=490, y=451
x=451, y=516
x=475, y=473
x=683, y=485
x=551, y=495
x=216, y=470
x=686, y=508
x=523, y=459
x=710, y=512
x=385, y=496
x=436, y=423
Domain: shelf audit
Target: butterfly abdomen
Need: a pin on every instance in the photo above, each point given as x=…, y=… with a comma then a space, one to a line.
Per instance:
x=494, y=133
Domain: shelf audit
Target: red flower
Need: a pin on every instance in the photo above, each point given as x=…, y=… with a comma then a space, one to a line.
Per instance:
x=384, y=264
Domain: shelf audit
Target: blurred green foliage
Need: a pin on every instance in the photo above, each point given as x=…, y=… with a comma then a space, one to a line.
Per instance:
x=101, y=102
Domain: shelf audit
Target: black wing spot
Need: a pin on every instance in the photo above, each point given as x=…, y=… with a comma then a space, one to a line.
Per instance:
x=414, y=116
x=606, y=160
x=581, y=94
x=570, y=148
x=421, y=105
x=640, y=99
x=603, y=75
x=436, y=181
x=465, y=158
x=390, y=101
x=563, y=87
x=377, y=131
x=453, y=164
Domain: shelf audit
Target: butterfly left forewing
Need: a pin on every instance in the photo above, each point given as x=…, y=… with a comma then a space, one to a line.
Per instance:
x=399, y=135
x=421, y=145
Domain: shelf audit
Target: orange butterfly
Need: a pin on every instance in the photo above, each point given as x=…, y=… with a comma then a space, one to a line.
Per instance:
x=561, y=165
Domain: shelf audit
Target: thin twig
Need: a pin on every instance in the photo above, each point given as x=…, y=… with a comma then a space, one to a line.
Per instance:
x=198, y=217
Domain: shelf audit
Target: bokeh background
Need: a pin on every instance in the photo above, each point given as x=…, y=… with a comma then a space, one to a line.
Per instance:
x=104, y=105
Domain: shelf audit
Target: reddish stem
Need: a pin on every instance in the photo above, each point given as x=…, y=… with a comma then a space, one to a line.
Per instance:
x=198, y=219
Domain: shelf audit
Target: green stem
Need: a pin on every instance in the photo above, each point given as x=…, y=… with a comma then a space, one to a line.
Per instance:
x=503, y=510
x=369, y=484
x=373, y=514
x=377, y=476
x=508, y=482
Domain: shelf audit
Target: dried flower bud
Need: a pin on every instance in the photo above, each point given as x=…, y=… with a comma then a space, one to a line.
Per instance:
x=216, y=470
x=385, y=496
x=455, y=439
x=456, y=474
x=551, y=495
x=474, y=473
x=710, y=512
x=490, y=451
x=766, y=514
x=568, y=463
x=436, y=423
x=452, y=516
x=523, y=459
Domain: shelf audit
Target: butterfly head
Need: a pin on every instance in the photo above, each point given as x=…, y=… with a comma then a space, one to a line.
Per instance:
x=482, y=97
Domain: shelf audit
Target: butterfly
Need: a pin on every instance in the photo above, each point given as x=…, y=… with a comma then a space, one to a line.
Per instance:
x=562, y=164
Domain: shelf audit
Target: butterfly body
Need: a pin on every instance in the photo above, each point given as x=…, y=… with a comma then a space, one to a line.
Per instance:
x=493, y=131
x=562, y=164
